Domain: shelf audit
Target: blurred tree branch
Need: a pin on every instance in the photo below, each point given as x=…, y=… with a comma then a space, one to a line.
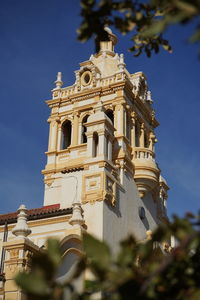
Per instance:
x=147, y=21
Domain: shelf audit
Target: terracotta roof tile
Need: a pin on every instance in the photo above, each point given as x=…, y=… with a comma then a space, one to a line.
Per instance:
x=36, y=213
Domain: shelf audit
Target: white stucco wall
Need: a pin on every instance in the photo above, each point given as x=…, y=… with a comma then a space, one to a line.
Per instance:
x=65, y=189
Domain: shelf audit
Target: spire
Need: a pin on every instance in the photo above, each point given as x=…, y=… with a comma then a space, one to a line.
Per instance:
x=21, y=229
x=77, y=217
x=110, y=43
x=121, y=64
x=58, y=81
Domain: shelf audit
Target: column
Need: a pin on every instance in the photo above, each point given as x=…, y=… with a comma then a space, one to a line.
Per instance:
x=102, y=142
x=142, y=135
x=119, y=118
x=89, y=144
x=59, y=137
x=152, y=140
x=109, y=150
x=75, y=129
x=53, y=132
x=80, y=133
x=116, y=118
x=133, y=133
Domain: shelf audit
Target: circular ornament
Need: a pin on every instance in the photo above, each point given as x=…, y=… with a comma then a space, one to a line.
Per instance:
x=86, y=78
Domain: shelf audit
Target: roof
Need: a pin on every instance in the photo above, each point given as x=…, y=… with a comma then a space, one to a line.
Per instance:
x=37, y=213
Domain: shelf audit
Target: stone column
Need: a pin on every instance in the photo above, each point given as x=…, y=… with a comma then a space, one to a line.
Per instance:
x=89, y=144
x=59, y=137
x=53, y=133
x=119, y=115
x=142, y=136
x=152, y=141
x=75, y=129
x=109, y=150
x=133, y=133
x=80, y=133
x=102, y=144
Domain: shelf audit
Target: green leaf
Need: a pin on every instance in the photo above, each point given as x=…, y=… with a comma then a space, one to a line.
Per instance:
x=97, y=251
x=195, y=37
x=54, y=251
x=33, y=283
x=187, y=7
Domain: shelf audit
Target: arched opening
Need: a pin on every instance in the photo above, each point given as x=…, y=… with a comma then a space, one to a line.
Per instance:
x=137, y=135
x=84, y=129
x=66, y=134
x=110, y=115
x=71, y=248
x=128, y=129
x=146, y=140
x=95, y=144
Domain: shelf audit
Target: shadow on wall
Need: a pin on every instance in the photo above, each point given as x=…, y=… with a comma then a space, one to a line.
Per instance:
x=150, y=206
x=116, y=209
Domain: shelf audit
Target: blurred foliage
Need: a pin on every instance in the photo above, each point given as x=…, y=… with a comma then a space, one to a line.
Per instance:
x=147, y=21
x=149, y=270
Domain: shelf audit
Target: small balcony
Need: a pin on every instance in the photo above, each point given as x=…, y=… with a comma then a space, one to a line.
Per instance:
x=146, y=170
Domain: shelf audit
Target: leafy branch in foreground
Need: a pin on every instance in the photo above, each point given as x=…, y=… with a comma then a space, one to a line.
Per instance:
x=147, y=270
x=145, y=20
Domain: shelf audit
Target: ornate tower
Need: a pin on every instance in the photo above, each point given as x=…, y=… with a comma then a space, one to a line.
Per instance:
x=101, y=148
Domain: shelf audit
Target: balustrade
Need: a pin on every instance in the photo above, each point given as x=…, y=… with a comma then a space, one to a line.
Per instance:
x=143, y=153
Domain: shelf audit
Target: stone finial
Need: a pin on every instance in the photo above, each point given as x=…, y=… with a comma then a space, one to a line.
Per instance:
x=111, y=35
x=108, y=44
x=121, y=64
x=149, y=99
x=58, y=81
x=21, y=229
x=77, y=217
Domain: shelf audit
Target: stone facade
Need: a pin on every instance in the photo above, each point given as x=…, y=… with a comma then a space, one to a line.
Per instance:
x=101, y=174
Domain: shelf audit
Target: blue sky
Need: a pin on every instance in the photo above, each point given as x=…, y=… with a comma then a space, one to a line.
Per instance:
x=38, y=39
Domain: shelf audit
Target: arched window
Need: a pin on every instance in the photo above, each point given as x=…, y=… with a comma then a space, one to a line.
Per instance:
x=146, y=140
x=110, y=115
x=128, y=129
x=71, y=249
x=137, y=135
x=95, y=144
x=84, y=129
x=66, y=134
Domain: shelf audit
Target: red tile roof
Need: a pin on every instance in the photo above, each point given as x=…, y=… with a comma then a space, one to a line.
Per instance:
x=36, y=213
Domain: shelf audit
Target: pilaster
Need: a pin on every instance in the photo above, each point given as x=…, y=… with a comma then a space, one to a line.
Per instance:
x=18, y=258
x=75, y=127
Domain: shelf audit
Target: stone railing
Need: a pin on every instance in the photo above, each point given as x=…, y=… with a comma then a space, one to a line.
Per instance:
x=81, y=151
x=143, y=153
x=100, y=82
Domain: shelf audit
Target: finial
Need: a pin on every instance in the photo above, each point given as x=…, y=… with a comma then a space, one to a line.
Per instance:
x=110, y=41
x=112, y=37
x=21, y=229
x=121, y=64
x=58, y=81
x=149, y=99
x=77, y=217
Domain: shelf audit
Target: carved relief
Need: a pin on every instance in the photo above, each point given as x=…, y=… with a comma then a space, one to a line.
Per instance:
x=92, y=188
x=93, y=183
x=110, y=194
x=11, y=270
x=14, y=253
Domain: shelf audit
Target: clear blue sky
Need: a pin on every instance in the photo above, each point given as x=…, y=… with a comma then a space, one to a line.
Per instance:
x=38, y=39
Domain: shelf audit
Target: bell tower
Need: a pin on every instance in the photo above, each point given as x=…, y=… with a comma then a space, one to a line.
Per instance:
x=101, y=149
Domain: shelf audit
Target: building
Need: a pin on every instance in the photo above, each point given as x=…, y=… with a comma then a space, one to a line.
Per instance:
x=101, y=174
